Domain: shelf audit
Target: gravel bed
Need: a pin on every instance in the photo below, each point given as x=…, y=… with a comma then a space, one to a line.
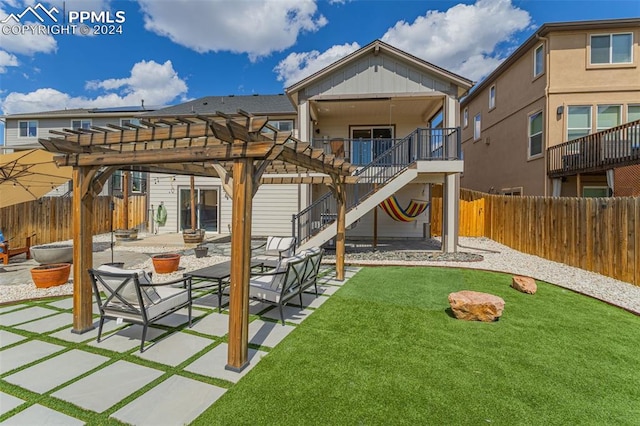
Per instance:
x=475, y=253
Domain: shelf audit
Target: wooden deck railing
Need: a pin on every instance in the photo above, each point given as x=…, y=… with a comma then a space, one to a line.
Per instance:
x=615, y=147
x=596, y=234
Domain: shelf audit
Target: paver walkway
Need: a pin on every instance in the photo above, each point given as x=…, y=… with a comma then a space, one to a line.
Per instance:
x=49, y=375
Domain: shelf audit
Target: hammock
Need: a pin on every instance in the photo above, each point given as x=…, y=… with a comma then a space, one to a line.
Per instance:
x=411, y=213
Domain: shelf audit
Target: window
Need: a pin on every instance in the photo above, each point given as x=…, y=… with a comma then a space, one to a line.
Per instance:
x=125, y=121
x=116, y=180
x=282, y=125
x=465, y=117
x=595, y=191
x=516, y=192
x=608, y=116
x=80, y=124
x=535, y=134
x=633, y=113
x=137, y=181
x=579, y=121
x=492, y=97
x=611, y=48
x=476, y=127
x=538, y=60
x=28, y=129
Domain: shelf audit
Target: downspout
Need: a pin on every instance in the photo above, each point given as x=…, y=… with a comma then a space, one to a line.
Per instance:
x=547, y=77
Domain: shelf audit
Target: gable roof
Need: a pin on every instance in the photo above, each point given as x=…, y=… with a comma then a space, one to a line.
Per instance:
x=534, y=39
x=209, y=105
x=375, y=47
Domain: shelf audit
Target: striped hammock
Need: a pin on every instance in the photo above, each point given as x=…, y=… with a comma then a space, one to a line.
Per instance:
x=411, y=213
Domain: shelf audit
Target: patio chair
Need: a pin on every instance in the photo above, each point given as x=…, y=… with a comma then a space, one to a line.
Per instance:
x=310, y=277
x=6, y=253
x=130, y=296
x=275, y=249
x=281, y=284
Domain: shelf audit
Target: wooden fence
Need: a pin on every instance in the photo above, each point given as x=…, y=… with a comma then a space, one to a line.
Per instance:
x=51, y=219
x=596, y=234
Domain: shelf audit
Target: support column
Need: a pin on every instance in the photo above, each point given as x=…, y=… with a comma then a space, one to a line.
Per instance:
x=451, y=196
x=341, y=229
x=82, y=250
x=126, y=178
x=237, y=355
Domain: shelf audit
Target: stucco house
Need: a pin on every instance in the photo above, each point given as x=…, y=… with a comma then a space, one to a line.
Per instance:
x=379, y=108
x=531, y=126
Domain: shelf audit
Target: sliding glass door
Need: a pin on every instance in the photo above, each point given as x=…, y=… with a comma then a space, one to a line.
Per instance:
x=206, y=209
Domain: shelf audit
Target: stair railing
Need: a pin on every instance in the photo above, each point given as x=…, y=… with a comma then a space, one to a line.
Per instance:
x=420, y=145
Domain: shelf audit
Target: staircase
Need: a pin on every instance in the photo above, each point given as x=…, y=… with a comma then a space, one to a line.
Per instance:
x=378, y=180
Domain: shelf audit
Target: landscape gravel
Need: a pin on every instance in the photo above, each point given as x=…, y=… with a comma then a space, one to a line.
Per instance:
x=475, y=253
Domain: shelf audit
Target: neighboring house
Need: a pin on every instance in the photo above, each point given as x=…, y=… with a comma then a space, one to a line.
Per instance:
x=567, y=81
x=380, y=108
x=23, y=130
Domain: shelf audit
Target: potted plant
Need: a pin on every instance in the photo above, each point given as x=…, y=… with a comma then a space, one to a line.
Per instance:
x=166, y=263
x=126, y=234
x=201, y=251
x=193, y=235
x=50, y=275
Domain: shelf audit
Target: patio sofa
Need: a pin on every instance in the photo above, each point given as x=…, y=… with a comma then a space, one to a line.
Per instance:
x=130, y=296
x=290, y=277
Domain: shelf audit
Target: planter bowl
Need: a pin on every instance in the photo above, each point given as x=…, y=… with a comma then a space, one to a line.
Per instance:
x=166, y=263
x=51, y=275
x=126, y=234
x=52, y=253
x=201, y=251
x=193, y=236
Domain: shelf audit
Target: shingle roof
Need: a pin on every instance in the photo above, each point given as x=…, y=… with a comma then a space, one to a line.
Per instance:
x=81, y=112
x=254, y=104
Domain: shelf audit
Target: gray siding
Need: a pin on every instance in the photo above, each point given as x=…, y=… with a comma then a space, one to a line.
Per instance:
x=378, y=74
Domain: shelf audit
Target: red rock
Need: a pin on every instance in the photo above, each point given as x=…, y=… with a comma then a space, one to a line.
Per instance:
x=475, y=306
x=524, y=284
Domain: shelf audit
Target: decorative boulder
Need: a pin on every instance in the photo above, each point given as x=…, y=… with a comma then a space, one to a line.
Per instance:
x=524, y=284
x=475, y=306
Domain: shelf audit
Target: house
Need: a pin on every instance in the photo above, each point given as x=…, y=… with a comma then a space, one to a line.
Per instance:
x=550, y=120
x=393, y=115
x=23, y=130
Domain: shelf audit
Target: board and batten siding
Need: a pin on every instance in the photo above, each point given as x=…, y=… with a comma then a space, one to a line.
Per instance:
x=378, y=74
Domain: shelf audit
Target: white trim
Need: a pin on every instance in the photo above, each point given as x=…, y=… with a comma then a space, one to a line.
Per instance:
x=28, y=127
x=82, y=121
x=610, y=48
x=535, y=61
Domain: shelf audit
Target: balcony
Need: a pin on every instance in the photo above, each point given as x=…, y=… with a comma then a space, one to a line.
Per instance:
x=608, y=149
x=421, y=144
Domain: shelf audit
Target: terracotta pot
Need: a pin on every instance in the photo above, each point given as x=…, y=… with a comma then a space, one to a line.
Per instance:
x=166, y=263
x=51, y=275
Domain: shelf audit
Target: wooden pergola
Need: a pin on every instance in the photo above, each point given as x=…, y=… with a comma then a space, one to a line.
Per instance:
x=237, y=150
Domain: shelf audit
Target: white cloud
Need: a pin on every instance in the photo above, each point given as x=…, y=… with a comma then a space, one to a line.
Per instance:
x=462, y=39
x=7, y=60
x=157, y=84
x=297, y=66
x=27, y=43
x=255, y=27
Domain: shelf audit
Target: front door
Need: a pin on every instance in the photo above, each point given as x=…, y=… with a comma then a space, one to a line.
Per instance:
x=367, y=143
x=206, y=209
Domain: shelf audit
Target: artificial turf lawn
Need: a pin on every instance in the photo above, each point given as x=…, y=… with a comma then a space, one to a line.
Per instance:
x=385, y=350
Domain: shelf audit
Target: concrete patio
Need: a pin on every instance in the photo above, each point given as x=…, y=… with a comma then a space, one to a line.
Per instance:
x=43, y=365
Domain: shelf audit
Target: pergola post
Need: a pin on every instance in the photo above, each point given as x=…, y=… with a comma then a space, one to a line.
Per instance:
x=451, y=197
x=82, y=249
x=125, y=198
x=341, y=229
x=237, y=355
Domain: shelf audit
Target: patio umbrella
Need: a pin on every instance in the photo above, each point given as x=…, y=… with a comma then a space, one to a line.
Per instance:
x=28, y=175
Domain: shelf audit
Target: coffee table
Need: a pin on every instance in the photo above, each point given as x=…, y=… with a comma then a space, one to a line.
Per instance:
x=219, y=274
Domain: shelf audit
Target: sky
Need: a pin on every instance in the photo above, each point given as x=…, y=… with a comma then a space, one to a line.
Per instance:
x=167, y=52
